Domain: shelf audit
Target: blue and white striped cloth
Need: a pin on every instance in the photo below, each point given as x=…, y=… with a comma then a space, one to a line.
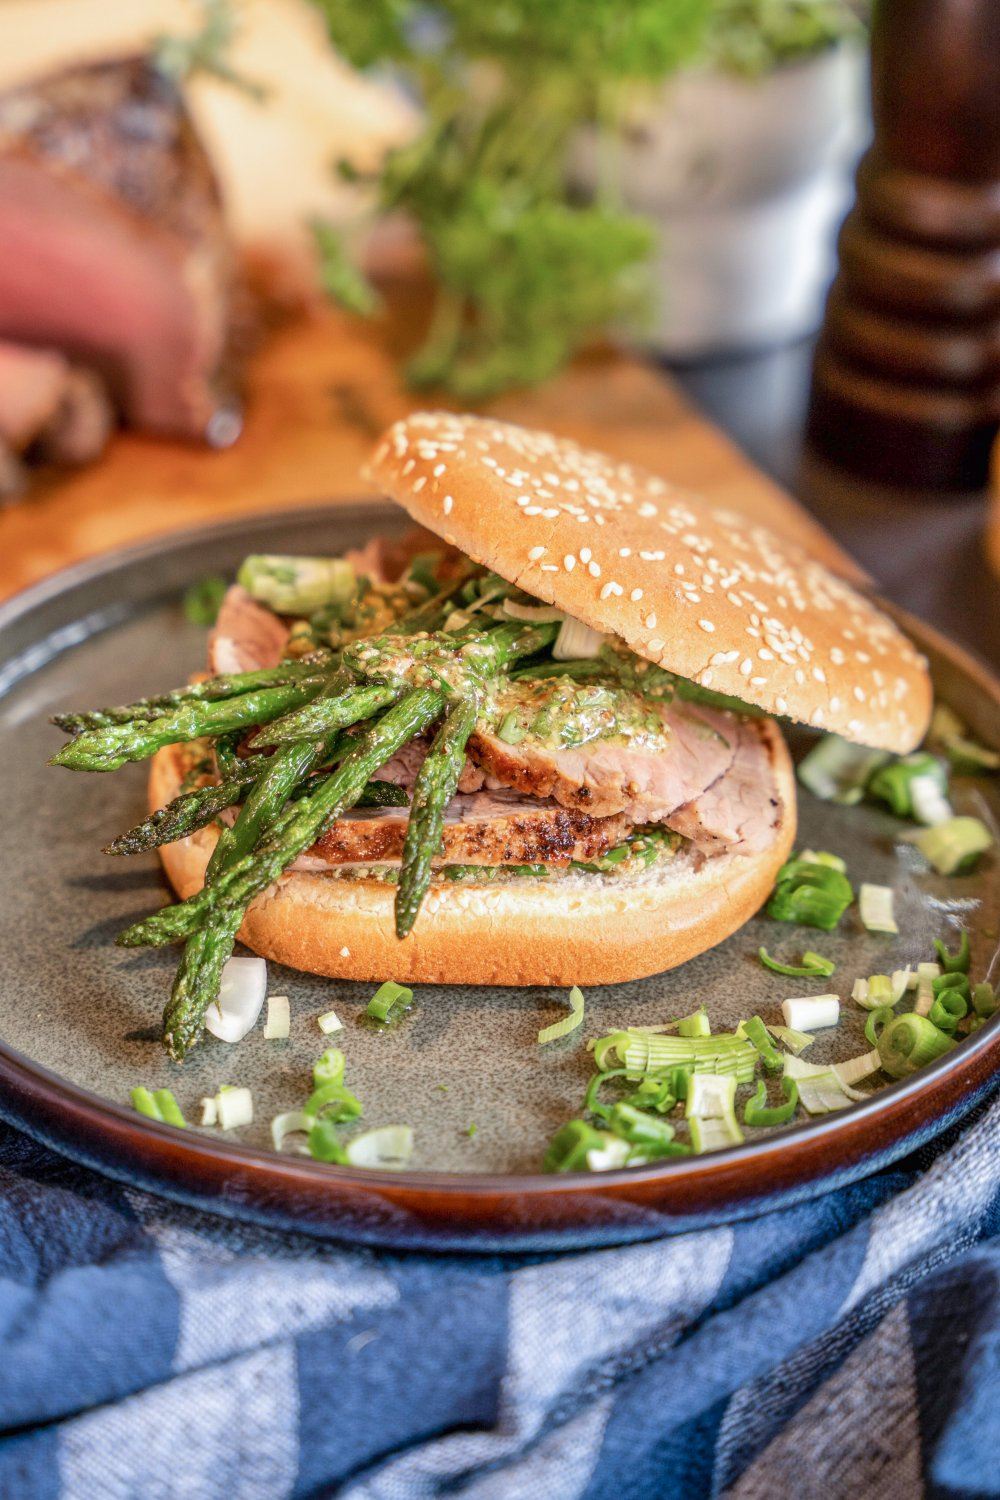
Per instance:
x=845, y=1347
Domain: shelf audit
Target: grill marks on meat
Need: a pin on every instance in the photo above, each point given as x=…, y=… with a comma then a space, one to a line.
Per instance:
x=604, y=778
x=114, y=245
x=481, y=829
x=742, y=810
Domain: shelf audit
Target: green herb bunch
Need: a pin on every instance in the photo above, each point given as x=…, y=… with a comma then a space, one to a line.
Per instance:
x=525, y=267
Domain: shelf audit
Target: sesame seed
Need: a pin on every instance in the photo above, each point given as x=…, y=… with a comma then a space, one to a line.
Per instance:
x=706, y=625
x=594, y=570
x=757, y=681
x=746, y=667
x=569, y=562
x=536, y=553
x=532, y=510
x=585, y=554
x=345, y=952
x=781, y=705
x=609, y=589
x=524, y=500
x=656, y=644
x=418, y=484
x=409, y=466
x=550, y=568
x=439, y=470
x=624, y=551
x=446, y=504
x=650, y=622
x=635, y=595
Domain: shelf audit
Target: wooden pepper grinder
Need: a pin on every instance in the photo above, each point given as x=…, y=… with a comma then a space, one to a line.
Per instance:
x=906, y=379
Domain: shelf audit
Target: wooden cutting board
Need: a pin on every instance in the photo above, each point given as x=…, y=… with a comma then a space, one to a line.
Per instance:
x=319, y=392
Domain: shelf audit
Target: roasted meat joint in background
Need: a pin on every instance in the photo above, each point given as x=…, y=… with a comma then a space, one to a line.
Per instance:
x=534, y=745
x=116, y=265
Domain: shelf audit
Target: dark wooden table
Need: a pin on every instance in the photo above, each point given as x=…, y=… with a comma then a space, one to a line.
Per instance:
x=925, y=552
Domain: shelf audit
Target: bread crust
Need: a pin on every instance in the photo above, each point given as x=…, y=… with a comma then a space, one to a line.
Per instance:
x=706, y=593
x=580, y=929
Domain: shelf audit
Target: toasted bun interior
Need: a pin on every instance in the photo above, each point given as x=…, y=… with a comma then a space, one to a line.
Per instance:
x=568, y=929
x=705, y=593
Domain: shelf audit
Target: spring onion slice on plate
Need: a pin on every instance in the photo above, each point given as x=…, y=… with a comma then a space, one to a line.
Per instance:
x=822, y=1088
x=837, y=771
x=711, y=1112
x=912, y=782
x=926, y=975
x=953, y=847
x=241, y=999
x=388, y=1001
x=568, y=1023
x=813, y=965
x=957, y=962
x=292, y=1122
x=811, y=1012
x=329, y=1022
x=158, y=1104
x=758, y=1113
x=788, y=1036
x=278, y=1024
x=875, y=906
x=389, y=1146
x=234, y=1107
x=911, y=1042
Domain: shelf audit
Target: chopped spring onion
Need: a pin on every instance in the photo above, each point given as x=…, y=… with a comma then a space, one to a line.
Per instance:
x=903, y=781
x=571, y=1145
x=926, y=975
x=813, y=965
x=297, y=585
x=875, y=906
x=757, y=1113
x=240, y=1001
x=640, y=1128
x=837, y=771
x=389, y=1146
x=879, y=1018
x=930, y=805
x=984, y=1001
x=952, y=982
x=209, y=1112
x=911, y=1042
x=711, y=1113
x=954, y=847
x=948, y=1009
x=813, y=894
x=159, y=1104
x=610, y=1155
x=824, y=857
x=857, y=1067
x=756, y=1032
x=795, y=1041
x=969, y=758
x=577, y=642
x=293, y=1122
x=329, y=1022
x=811, y=1012
x=874, y=992
x=323, y=1143
x=278, y=1024
x=696, y=1024
x=957, y=962
x=539, y=614
x=902, y=980
x=202, y=600
x=388, y=1000
x=642, y=1052
x=333, y=1102
x=821, y=1089
x=329, y=1067
x=234, y=1107
x=568, y=1023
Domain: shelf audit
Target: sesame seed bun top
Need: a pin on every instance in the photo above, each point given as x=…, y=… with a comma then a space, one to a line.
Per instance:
x=705, y=593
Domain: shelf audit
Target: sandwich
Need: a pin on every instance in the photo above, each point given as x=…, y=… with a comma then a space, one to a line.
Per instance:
x=535, y=742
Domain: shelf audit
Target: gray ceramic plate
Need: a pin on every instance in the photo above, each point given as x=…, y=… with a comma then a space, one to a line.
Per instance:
x=79, y=1018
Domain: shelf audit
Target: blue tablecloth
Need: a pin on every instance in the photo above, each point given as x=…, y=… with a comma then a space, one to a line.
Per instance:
x=846, y=1347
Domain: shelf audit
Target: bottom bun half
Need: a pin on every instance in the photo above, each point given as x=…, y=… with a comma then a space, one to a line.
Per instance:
x=570, y=929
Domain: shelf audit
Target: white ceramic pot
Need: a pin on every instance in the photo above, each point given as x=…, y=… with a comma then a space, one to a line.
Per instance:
x=746, y=181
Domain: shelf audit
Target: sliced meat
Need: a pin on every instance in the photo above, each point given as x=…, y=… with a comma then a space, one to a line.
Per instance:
x=482, y=829
x=59, y=413
x=114, y=243
x=246, y=635
x=403, y=768
x=740, y=811
x=604, y=778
